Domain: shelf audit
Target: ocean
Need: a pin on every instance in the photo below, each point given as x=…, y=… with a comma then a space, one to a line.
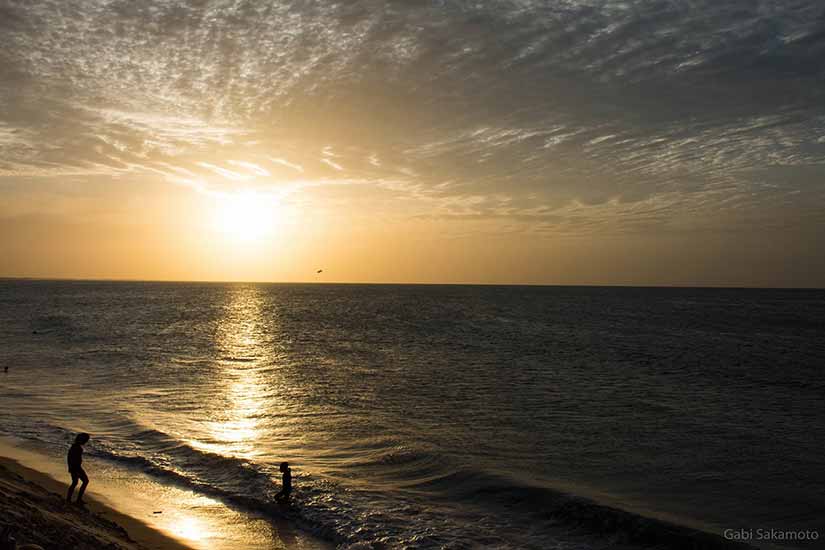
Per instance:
x=440, y=416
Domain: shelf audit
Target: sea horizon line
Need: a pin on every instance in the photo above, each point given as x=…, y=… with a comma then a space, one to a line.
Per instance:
x=676, y=286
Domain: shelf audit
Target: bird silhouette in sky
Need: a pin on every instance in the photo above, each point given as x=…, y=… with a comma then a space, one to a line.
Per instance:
x=320, y=271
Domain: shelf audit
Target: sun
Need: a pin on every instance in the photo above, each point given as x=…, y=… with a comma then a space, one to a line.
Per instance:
x=246, y=217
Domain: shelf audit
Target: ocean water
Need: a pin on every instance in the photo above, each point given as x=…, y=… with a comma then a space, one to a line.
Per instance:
x=439, y=416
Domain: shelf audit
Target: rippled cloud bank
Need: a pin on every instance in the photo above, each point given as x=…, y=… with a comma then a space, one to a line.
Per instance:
x=566, y=117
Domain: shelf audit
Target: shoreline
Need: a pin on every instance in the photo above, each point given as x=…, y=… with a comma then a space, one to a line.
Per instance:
x=33, y=504
x=133, y=511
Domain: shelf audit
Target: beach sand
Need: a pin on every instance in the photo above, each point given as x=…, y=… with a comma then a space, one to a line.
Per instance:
x=126, y=509
x=33, y=504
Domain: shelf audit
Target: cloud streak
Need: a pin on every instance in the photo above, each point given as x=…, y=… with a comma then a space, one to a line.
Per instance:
x=570, y=116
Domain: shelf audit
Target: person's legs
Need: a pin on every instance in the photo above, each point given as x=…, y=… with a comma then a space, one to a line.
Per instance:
x=85, y=479
x=72, y=486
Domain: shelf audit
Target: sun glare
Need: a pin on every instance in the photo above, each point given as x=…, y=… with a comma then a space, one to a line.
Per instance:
x=246, y=217
x=191, y=529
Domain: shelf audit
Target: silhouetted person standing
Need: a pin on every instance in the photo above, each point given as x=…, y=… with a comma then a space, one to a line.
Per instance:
x=286, y=487
x=75, y=461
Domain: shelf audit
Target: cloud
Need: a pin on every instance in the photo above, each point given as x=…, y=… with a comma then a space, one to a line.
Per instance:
x=583, y=114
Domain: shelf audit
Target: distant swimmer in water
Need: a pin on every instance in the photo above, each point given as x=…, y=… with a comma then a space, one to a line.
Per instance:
x=75, y=461
x=286, y=488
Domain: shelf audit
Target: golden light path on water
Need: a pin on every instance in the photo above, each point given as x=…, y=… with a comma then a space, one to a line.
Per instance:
x=227, y=419
x=236, y=425
x=229, y=424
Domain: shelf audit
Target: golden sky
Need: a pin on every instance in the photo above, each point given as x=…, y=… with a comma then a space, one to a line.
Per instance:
x=512, y=142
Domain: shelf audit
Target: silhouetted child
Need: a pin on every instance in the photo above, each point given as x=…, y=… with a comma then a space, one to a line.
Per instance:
x=286, y=488
x=75, y=461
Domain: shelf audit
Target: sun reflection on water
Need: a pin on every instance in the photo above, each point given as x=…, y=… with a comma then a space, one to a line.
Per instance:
x=240, y=400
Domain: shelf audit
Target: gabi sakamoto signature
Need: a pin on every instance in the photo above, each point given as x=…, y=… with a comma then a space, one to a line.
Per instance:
x=770, y=534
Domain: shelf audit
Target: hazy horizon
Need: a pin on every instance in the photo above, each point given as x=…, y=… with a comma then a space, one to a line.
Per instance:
x=396, y=283
x=642, y=143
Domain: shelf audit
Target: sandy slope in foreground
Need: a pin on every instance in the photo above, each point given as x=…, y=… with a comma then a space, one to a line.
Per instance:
x=33, y=504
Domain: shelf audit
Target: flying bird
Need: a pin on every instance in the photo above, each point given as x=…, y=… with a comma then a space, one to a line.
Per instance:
x=320, y=271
